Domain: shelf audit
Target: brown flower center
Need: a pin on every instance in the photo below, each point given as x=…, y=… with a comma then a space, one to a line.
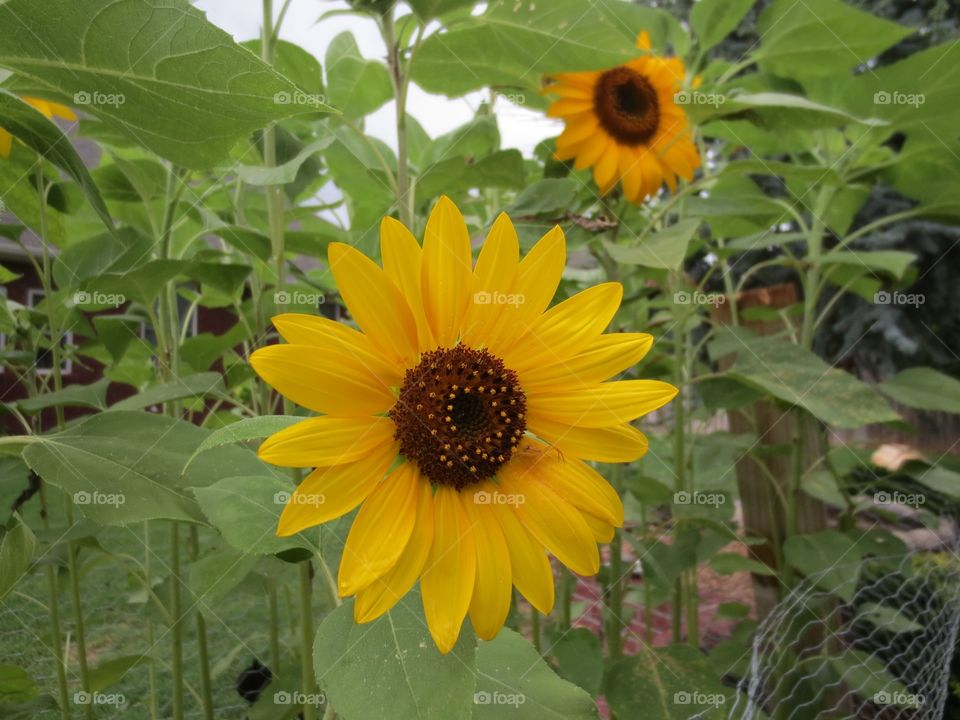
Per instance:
x=460, y=415
x=627, y=106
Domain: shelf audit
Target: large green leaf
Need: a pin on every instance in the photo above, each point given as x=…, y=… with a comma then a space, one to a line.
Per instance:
x=156, y=70
x=246, y=509
x=503, y=169
x=821, y=37
x=664, y=684
x=126, y=467
x=664, y=249
x=17, y=545
x=356, y=86
x=713, y=20
x=513, y=680
x=888, y=262
x=924, y=388
x=404, y=675
x=92, y=396
x=797, y=376
x=512, y=44
x=247, y=429
x=830, y=557
x=33, y=129
x=197, y=386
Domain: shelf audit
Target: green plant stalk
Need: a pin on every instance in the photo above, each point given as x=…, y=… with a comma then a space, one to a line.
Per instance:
x=307, y=678
x=400, y=80
x=53, y=322
x=274, y=624
x=679, y=446
x=176, y=611
x=203, y=652
x=53, y=609
x=566, y=592
x=615, y=613
x=147, y=574
x=275, y=213
x=535, y=628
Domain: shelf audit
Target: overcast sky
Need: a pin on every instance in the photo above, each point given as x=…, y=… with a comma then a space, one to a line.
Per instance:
x=519, y=128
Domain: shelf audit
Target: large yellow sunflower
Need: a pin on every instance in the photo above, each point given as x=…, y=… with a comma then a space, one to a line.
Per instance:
x=49, y=110
x=625, y=123
x=458, y=418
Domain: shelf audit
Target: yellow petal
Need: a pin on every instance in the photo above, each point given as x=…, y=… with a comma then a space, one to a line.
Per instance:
x=330, y=382
x=321, y=332
x=593, y=150
x=493, y=281
x=328, y=493
x=567, y=328
x=583, y=487
x=401, y=262
x=6, y=142
x=569, y=106
x=384, y=592
x=448, y=579
x=327, y=440
x=380, y=531
x=529, y=564
x=551, y=519
x=606, y=404
x=447, y=272
x=492, y=591
x=603, y=358
x=375, y=303
x=601, y=529
x=605, y=171
x=538, y=276
x=621, y=443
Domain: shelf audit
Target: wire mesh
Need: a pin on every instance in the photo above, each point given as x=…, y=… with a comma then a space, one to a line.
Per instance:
x=871, y=640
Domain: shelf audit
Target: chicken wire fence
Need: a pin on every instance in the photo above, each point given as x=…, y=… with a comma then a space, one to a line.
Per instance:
x=870, y=640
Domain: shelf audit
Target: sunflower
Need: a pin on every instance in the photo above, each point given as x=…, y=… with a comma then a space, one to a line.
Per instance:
x=625, y=123
x=47, y=108
x=459, y=418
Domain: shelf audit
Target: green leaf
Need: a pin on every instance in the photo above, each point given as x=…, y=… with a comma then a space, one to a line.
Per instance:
x=281, y=174
x=110, y=672
x=18, y=193
x=412, y=679
x=142, y=283
x=503, y=169
x=797, y=376
x=868, y=673
x=247, y=429
x=34, y=130
x=713, y=20
x=294, y=63
x=894, y=263
x=730, y=562
x=545, y=197
x=17, y=545
x=924, y=388
x=512, y=679
x=16, y=685
x=821, y=37
x=577, y=658
x=196, y=386
x=126, y=467
x=830, y=556
x=92, y=396
x=888, y=618
x=665, y=249
x=213, y=578
x=356, y=86
x=245, y=239
x=794, y=109
x=664, y=684
x=102, y=254
x=159, y=72
x=512, y=44
x=246, y=509
x=429, y=9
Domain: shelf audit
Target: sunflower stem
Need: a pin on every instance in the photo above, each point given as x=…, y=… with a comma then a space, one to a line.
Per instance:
x=400, y=81
x=535, y=628
x=679, y=442
x=54, y=611
x=307, y=679
x=148, y=577
x=55, y=349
